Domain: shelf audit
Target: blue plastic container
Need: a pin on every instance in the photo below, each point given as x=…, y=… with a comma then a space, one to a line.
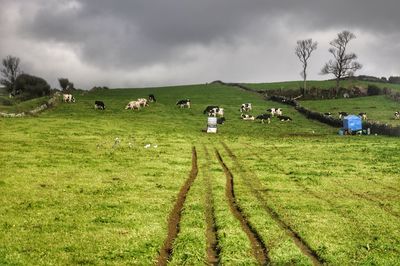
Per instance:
x=352, y=123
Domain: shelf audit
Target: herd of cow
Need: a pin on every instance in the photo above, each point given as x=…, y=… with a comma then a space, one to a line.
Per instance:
x=216, y=111
x=245, y=108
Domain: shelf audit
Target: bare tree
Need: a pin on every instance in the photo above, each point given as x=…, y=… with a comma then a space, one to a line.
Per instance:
x=63, y=83
x=10, y=71
x=343, y=64
x=303, y=51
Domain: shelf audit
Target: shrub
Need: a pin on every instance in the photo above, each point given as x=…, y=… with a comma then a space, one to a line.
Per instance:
x=374, y=90
x=31, y=86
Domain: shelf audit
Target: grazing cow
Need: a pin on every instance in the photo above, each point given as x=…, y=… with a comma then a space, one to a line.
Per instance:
x=272, y=111
x=342, y=114
x=263, y=117
x=363, y=116
x=99, y=105
x=328, y=114
x=68, y=98
x=152, y=98
x=284, y=118
x=209, y=108
x=278, y=111
x=142, y=102
x=245, y=107
x=216, y=112
x=397, y=115
x=220, y=120
x=133, y=105
x=247, y=117
x=184, y=103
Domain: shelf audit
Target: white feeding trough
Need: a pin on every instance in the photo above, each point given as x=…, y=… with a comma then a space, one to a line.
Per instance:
x=211, y=125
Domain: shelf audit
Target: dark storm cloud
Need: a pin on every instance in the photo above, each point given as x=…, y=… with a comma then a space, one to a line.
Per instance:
x=127, y=35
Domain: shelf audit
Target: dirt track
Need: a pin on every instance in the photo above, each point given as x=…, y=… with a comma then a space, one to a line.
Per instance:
x=259, y=249
x=213, y=249
x=175, y=215
x=301, y=244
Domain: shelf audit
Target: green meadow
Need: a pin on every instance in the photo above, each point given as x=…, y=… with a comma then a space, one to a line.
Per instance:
x=86, y=186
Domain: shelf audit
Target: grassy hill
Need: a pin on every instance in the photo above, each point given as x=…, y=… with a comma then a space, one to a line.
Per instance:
x=79, y=186
x=323, y=84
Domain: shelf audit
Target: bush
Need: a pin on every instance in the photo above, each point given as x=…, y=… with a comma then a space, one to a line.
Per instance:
x=5, y=101
x=31, y=86
x=374, y=90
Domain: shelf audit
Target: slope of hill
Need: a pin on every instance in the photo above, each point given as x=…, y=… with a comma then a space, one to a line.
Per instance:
x=85, y=186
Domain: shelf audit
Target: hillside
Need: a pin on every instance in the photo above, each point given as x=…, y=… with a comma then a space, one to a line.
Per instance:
x=86, y=186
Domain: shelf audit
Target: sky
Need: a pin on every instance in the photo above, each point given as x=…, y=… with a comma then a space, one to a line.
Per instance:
x=145, y=43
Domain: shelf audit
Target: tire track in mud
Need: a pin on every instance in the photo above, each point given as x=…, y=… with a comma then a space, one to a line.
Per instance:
x=213, y=248
x=260, y=251
x=175, y=215
x=297, y=239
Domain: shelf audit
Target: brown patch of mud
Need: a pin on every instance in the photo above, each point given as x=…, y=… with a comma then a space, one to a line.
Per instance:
x=259, y=249
x=297, y=239
x=213, y=249
x=175, y=215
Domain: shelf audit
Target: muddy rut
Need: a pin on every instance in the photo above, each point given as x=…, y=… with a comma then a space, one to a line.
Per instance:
x=297, y=239
x=259, y=249
x=175, y=215
x=213, y=248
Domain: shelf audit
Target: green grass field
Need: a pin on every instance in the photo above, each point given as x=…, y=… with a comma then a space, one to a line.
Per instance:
x=322, y=84
x=378, y=108
x=72, y=194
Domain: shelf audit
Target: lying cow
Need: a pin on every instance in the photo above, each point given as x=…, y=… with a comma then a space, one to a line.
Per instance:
x=216, y=112
x=220, y=120
x=68, y=98
x=209, y=108
x=264, y=117
x=152, y=98
x=247, y=117
x=284, y=118
x=363, y=116
x=397, y=115
x=342, y=114
x=99, y=105
x=133, y=105
x=184, y=103
x=245, y=107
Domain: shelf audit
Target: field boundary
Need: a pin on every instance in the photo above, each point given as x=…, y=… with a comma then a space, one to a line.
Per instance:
x=297, y=239
x=176, y=213
x=50, y=103
x=260, y=251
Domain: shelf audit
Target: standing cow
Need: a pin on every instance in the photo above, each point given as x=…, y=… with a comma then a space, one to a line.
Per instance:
x=245, y=107
x=152, y=98
x=99, y=105
x=184, y=103
x=68, y=98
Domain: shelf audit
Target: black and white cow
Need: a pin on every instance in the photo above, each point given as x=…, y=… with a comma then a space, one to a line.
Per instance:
x=216, y=112
x=184, y=103
x=152, y=98
x=247, y=117
x=363, y=116
x=68, y=98
x=328, y=114
x=264, y=117
x=284, y=118
x=397, y=115
x=99, y=105
x=209, y=108
x=272, y=111
x=342, y=114
x=245, y=107
x=220, y=120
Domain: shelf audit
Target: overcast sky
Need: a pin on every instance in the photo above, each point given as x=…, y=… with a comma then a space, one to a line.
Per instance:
x=137, y=43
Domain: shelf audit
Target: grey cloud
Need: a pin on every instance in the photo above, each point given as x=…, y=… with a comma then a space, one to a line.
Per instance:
x=129, y=36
